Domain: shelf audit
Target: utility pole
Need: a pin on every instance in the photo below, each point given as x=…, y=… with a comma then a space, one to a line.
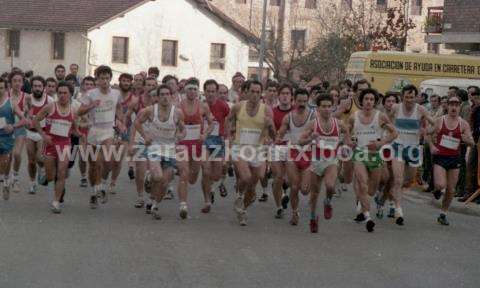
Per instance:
x=262, y=42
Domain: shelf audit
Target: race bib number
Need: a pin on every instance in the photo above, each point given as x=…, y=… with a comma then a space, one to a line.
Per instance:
x=449, y=142
x=328, y=142
x=3, y=122
x=250, y=136
x=60, y=128
x=193, y=132
x=104, y=116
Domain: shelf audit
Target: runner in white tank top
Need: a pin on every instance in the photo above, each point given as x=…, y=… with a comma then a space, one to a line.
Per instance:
x=105, y=111
x=366, y=125
x=165, y=127
x=297, y=162
x=409, y=117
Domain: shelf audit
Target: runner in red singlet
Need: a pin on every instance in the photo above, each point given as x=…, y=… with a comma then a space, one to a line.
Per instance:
x=190, y=148
x=449, y=131
x=279, y=151
x=59, y=125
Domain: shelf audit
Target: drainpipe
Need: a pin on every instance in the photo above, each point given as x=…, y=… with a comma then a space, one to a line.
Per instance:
x=89, y=47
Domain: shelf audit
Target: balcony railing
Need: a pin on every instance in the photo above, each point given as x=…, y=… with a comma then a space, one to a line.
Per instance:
x=434, y=20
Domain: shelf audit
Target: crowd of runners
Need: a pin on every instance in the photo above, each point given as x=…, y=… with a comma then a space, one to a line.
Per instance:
x=312, y=141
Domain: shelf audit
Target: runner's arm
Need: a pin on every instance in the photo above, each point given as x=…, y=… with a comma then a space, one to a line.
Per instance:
x=181, y=131
x=85, y=108
x=269, y=125
x=119, y=115
x=283, y=129
x=467, y=134
x=307, y=135
x=426, y=115
x=20, y=115
x=142, y=117
x=387, y=125
x=208, y=115
x=44, y=112
x=347, y=138
x=231, y=121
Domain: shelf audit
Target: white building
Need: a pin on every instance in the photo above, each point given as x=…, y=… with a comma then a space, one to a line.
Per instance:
x=181, y=37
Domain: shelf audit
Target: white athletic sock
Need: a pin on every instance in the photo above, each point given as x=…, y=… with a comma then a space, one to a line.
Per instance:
x=5, y=180
x=33, y=183
x=50, y=191
x=398, y=212
x=15, y=175
x=103, y=186
x=367, y=215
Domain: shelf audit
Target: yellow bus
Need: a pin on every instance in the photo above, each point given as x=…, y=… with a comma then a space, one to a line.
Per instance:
x=391, y=71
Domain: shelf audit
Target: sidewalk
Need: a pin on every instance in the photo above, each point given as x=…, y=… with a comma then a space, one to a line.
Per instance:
x=414, y=195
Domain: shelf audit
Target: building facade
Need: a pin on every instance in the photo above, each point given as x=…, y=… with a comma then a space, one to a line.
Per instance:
x=186, y=38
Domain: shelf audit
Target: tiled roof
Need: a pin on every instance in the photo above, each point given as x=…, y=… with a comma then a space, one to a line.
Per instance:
x=82, y=15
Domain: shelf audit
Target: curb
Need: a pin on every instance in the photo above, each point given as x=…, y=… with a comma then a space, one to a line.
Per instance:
x=471, y=209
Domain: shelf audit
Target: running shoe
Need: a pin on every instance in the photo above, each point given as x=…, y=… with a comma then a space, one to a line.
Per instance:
x=285, y=200
x=103, y=196
x=400, y=221
x=147, y=185
x=56, y=207
x=442, y=219
x=343, y=187
x=295, y=218
x=139, y=203
x=242, y=218
x=33, y=190
x=212, y=197
x=327, y=210
x=148, y=208
x=370, y=225
x=6, y=193
x=223, y=190
x=314, y=225
x=156, y=213
x=279, y=213
x=83, y=182
x=93, y=202
x=15, y=187
x=131, y=173
x=169, y=194
x=263, y=198
x=183, y=211
x=206, y=209
x=437, y=194
x=360, y=218
x=111, y=189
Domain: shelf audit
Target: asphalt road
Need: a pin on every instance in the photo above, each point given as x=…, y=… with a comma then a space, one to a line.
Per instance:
x=120, y=246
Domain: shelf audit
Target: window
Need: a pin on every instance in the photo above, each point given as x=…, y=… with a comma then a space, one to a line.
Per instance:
x=311, y=4
x=58, y=45
x=382, y=5
x=241, y=1
x=253, y=55
x=217, y=56
x=298, y=39
x=253, y=73
x=120, y=50
x=417, y=7
x=13, y=43
x=433, y=48
x=169, y=52
x=274, y=2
